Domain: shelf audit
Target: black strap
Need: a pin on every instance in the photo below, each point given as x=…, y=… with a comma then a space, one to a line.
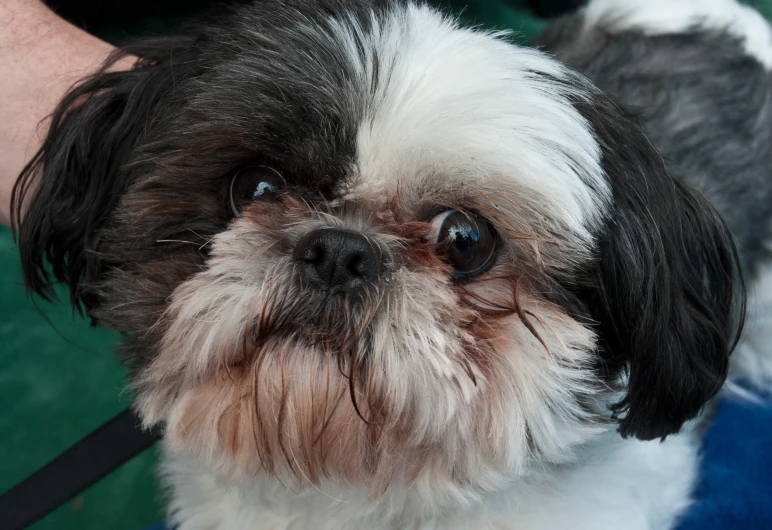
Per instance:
x=80, y=466
x=554, y=8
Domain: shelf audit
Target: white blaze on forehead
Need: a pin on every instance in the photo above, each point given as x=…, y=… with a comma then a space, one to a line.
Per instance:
x=662, y=17
x=467, y=106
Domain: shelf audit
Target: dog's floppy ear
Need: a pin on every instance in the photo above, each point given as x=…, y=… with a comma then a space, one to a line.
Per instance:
x=666, y=290
x=67, y=192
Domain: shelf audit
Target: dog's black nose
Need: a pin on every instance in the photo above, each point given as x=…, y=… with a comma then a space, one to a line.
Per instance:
x=339, y=259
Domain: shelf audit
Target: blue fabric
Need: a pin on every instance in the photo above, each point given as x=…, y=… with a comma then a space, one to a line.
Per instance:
x=735, y=491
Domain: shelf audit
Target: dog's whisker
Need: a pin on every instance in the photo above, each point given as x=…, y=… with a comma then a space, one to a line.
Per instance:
x=175, y=241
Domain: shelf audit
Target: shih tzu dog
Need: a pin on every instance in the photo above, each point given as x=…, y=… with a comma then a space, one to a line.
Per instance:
x=374, y=269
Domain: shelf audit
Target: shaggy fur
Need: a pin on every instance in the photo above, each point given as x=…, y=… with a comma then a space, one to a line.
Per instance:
x=554, y=387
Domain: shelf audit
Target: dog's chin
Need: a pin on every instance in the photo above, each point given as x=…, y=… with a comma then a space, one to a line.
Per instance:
x=287, y=413
x=293, y=412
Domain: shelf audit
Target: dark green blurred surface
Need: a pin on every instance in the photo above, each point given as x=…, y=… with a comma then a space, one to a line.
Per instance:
x=56, y=386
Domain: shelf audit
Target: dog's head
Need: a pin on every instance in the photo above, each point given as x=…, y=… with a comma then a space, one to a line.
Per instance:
x=361, y=243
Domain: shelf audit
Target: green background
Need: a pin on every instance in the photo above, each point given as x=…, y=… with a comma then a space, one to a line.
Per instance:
x=58, y=376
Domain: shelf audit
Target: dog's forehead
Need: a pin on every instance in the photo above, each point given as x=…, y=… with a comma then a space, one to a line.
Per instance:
x=451, y=108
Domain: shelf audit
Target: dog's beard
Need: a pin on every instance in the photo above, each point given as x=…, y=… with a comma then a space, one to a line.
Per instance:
x=415, y=382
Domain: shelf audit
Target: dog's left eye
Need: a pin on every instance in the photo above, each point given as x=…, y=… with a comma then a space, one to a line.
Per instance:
x=252, y=183
x=465, y=240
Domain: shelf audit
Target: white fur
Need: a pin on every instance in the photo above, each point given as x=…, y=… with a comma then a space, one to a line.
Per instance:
x=470, y=107
x=752, y=360
x=661, y=17
x=621, y=484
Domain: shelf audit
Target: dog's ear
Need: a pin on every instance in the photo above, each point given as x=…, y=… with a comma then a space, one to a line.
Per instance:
x=666, y=290
x=67, y=192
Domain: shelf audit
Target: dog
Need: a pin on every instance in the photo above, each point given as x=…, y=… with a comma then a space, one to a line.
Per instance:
x=376, y=269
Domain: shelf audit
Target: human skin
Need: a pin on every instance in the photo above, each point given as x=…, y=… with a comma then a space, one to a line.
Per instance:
x=41, y=57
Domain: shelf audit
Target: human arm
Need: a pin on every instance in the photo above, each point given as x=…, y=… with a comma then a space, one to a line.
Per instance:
x=41, y=57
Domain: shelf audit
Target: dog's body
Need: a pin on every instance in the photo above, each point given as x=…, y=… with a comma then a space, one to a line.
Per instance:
x=463, y=289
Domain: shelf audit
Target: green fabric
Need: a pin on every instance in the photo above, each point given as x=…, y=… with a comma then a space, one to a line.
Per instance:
x=58, y=383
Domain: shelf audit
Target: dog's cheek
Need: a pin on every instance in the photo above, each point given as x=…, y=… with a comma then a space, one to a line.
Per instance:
x=539, y=384
x=202, y=327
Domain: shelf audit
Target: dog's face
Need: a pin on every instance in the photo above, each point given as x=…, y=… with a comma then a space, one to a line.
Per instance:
x=360, y=243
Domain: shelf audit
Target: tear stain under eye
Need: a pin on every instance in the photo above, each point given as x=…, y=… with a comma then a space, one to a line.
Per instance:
x=424, y=253
x=488, y=308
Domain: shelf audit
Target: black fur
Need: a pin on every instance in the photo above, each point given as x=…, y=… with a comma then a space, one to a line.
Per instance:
x=116, y=131
x=706, y=106
x=76, y=180
x=666, y=290
x=130, y=184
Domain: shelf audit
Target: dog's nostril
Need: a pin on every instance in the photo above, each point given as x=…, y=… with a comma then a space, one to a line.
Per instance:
x=339, y=259
x=315, y=254
x=355, y=266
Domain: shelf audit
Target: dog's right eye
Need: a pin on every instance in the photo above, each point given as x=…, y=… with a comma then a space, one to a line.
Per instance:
x=466, y=241
x=253, y=183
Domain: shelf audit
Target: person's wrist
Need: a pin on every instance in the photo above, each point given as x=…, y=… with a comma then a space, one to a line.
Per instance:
x=41, y=57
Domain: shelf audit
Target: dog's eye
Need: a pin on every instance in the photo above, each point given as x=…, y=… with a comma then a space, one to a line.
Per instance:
x=252, y=183
x=465, y=240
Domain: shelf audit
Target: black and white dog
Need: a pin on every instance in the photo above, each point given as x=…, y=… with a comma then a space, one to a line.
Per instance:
x=377, y=270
